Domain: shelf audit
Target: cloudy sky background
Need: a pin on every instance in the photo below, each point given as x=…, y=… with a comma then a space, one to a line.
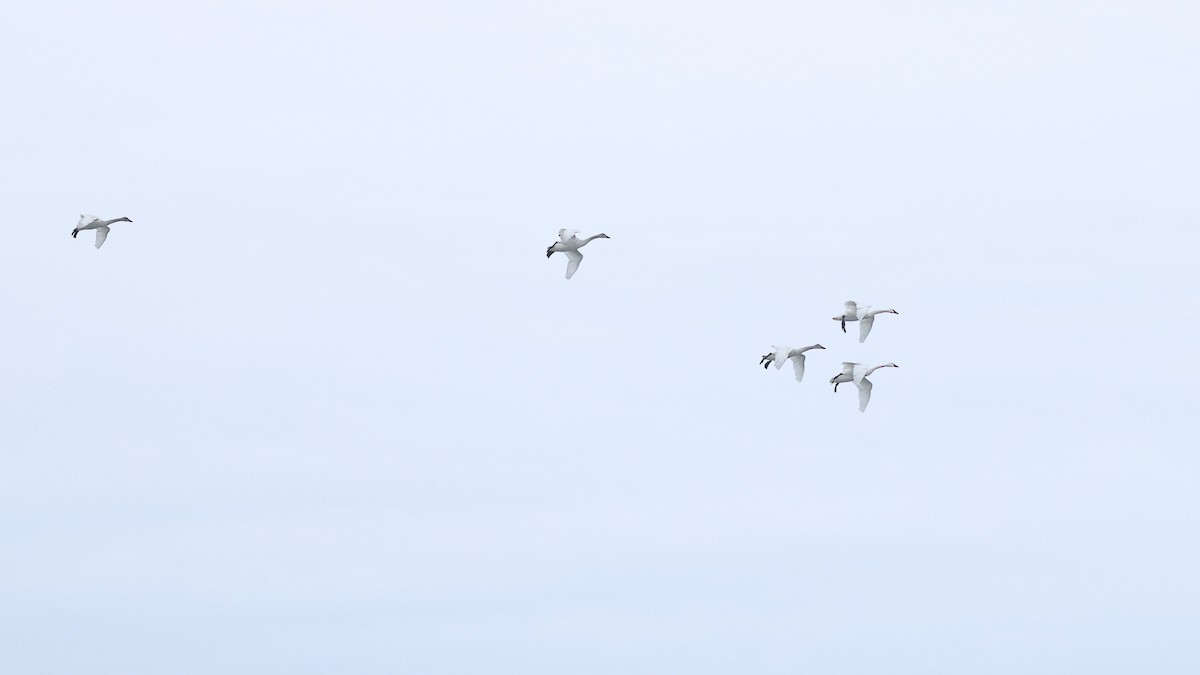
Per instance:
x=325, y=406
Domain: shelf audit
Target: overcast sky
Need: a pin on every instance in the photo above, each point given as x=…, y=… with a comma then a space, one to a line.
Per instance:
x=325, y=406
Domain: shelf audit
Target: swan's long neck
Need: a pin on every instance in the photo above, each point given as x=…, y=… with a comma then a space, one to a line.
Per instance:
x=122, y=219
x=883, y=311
x=885, y=365
x=804, y=349
x=594, y=236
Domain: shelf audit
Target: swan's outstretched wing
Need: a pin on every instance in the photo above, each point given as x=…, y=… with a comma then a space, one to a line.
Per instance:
x=851, y=310
x=565, y=234
x=573, y=262
x=859, y=373
x=864, y=326
x=85, y=219
x=864, y=394
x=101, y=235
x=798, y=365
x=781, y=355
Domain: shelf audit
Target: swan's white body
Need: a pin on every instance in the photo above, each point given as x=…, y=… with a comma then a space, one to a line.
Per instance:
x=100, y=226
x=865, y=316
x=857, y=373
x=781, y=354
x=570, y=244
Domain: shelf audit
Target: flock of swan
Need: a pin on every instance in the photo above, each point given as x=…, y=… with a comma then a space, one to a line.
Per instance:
x=851, y=371
x=569, y=244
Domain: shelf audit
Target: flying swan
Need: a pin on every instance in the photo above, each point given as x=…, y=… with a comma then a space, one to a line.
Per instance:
x=781, y=353
x=570, y=244
x=100, y=226
x=865, y=316
x=857, y=373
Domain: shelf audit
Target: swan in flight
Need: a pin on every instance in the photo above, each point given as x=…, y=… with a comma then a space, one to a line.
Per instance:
x=865, y=316
x=100, y=226
x=857, y=373
x=781, y=353
x=570, y=244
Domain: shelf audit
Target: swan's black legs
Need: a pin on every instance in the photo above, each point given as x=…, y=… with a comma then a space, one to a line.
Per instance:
x=75, y=233
x=843, y=324
x=766, y=360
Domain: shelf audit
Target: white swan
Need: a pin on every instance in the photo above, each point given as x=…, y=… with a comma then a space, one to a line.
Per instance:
x=570, y=244
x=865, y=316
x=857, y=373
x=781, y=353
x=100, y=226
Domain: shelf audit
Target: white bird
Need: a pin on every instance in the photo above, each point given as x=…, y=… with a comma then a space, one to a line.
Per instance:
x=100, y=226
x=782, y=353
x=569, y=244
x=865, y=316
x=857, y=373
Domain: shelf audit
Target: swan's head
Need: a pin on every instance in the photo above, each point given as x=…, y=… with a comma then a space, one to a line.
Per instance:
x=603, y=236
x=893, y=311
x=890, y=365
x=818, y=346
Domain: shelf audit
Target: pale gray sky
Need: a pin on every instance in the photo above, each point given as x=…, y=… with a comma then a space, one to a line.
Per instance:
x=325, y=406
